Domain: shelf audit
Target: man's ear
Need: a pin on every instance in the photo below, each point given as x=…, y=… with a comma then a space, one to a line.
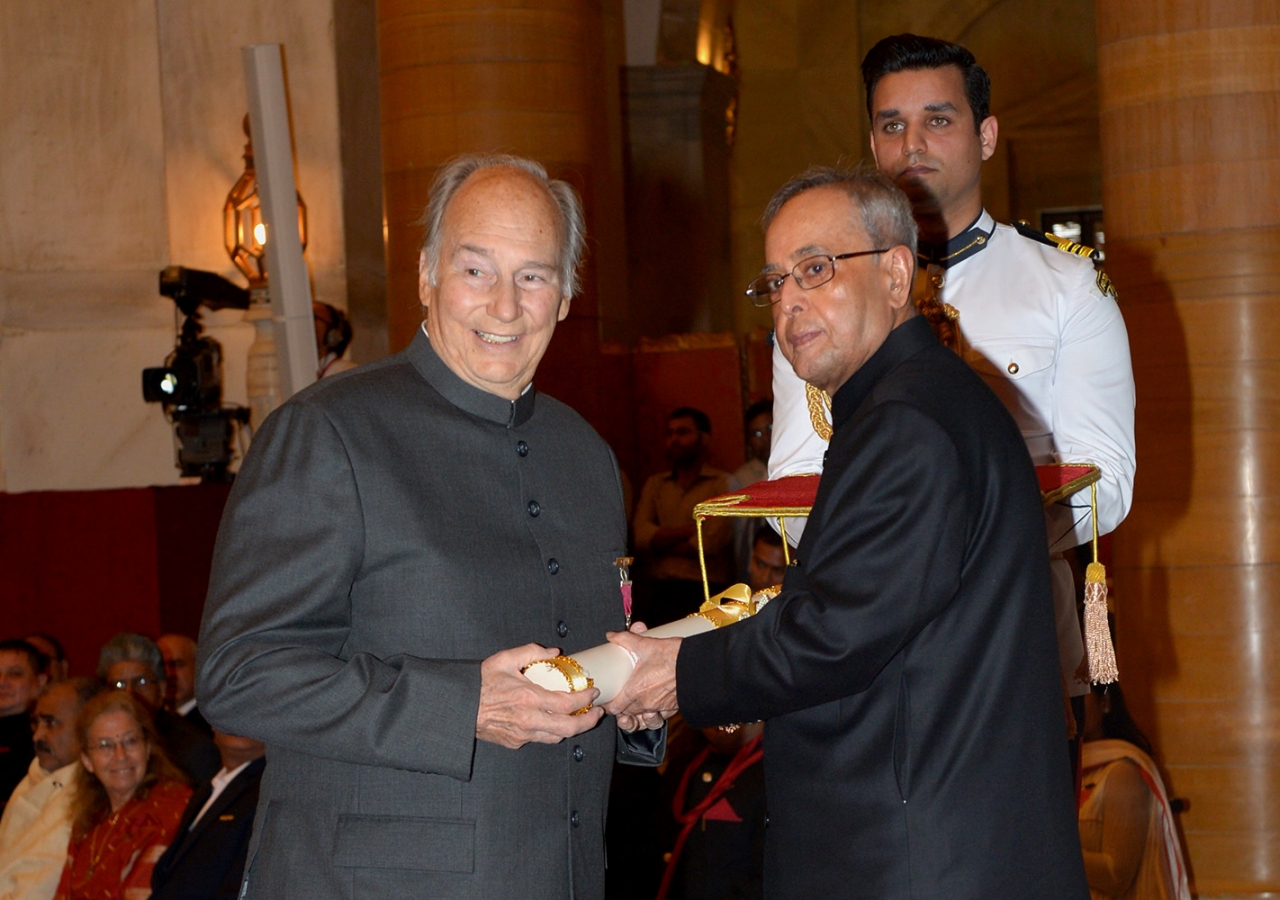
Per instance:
x=899, y=267
x=988, y=131
x=425, y=289
x=564, y=308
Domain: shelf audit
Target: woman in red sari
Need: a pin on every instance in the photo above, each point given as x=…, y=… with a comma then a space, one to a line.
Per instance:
x=128, y=803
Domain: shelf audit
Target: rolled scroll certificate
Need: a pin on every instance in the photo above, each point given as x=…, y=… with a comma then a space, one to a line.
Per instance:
x=607, y=666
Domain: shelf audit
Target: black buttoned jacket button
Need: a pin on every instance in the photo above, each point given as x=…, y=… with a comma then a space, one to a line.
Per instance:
x=562, y=629
x=573, y=818
x=553, y=565
x=578, y=753
x=534, y=508
x=522, y=448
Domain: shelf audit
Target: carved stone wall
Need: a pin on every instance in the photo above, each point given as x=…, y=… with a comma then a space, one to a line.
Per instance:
x=122, y=135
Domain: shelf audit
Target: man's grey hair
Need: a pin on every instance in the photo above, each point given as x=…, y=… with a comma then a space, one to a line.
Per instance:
x=452, y=175
x=128, y=647
x=886, y=211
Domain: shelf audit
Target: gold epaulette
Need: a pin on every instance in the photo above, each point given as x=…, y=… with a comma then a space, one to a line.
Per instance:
x=1024, y=228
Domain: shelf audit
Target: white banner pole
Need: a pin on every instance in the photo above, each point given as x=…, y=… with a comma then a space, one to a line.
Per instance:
x=287, y=280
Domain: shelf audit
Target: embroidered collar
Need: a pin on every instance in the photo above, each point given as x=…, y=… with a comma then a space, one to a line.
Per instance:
x=967, y=243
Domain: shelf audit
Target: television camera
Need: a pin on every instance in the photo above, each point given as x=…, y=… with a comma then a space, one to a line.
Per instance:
x=189, y=384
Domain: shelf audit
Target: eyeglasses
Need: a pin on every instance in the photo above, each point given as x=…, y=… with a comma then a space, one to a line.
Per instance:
x=140, y=681
x=107, y=746
x=809, y=273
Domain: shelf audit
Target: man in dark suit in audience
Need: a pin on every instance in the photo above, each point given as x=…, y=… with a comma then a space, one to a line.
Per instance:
x=179, y=653
x=206, y=859
x=21, y=679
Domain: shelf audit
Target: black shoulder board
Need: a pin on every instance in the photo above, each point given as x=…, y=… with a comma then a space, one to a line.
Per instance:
x=1066, y=246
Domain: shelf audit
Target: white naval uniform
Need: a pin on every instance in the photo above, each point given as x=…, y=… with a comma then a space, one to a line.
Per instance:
x=1038, y=329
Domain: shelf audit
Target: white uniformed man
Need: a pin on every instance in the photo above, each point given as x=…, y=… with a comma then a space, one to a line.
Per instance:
x=1040, y=325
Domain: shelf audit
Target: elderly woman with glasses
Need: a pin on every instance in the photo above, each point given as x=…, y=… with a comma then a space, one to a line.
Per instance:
x=129, y=800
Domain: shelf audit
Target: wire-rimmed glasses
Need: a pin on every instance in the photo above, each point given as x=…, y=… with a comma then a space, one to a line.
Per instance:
x=809, y=273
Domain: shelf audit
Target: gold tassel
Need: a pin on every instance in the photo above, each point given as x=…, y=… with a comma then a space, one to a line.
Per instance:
x=942, y=317
x=1098, y=649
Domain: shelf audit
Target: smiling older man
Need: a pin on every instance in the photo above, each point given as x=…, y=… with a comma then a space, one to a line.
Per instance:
x=36, y=825
x=401, y=540
x=914, y=737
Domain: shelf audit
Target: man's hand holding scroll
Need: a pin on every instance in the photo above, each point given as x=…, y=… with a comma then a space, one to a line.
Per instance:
x=648, y=698
x=514, y=711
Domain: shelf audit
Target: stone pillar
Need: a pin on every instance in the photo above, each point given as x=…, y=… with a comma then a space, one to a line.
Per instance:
x=1190, y=124
x=533, y=77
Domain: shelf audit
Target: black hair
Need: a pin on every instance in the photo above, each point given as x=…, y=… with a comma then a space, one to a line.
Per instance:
x=1117, y=723
x=901, y=52
x=59, y=652
x=759, y=408
x=768, y=536
x=700, y=419
x=85, y=688
x=338, y=331
x=38, y=661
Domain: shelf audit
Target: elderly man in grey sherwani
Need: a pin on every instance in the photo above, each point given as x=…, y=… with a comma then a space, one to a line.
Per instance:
x=401, y=541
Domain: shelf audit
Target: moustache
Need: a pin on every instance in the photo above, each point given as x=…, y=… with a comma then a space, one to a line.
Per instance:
x=42, y=747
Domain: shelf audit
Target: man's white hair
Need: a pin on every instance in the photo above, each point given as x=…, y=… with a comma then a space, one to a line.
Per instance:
x=455, y=172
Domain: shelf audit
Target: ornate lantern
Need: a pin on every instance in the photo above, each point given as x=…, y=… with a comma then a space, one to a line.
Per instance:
x=244, y=231
x=246, y=236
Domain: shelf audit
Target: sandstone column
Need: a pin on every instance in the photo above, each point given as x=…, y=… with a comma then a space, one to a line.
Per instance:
x=1190, y=119
x=532, y=77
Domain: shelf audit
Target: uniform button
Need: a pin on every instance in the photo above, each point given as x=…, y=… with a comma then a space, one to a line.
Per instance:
x=578, y=753
x=573, y=818
x=1013, y=368
x=562, y=629
x=553, y=565
x=534, y=508
x=522, y=448
x=707, y=777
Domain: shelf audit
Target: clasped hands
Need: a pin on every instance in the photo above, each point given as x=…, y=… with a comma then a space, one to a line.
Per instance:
x=514, y=711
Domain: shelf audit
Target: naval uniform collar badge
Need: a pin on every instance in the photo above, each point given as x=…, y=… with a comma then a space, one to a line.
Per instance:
x=967, y=243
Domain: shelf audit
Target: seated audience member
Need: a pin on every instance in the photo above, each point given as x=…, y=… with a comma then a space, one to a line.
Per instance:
x=759, y=425
x=715, y=801
x=768, y=562
x=1130, y=841
x=59, y=668
x=206, y=859
x=670, y=583
x=133, y=663
x=37, y=820
x=179, y=653
x=21, y=678
x=333, y=336
x=129, y=799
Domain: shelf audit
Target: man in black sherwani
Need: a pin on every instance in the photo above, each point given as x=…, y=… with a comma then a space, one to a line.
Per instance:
x=907, y=671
